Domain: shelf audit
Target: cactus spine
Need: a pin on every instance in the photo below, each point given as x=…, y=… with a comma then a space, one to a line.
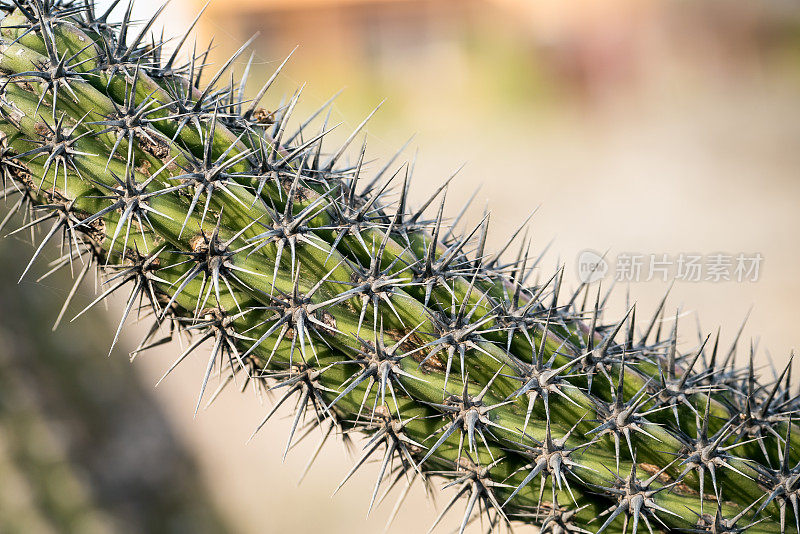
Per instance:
x=227, y=225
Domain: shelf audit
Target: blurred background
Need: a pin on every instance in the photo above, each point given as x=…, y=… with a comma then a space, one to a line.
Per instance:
x=638, y=127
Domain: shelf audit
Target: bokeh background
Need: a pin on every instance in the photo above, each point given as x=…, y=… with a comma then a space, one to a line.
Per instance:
x=640, y=126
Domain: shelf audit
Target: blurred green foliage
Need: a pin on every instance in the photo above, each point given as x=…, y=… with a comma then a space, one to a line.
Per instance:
x=84, y=447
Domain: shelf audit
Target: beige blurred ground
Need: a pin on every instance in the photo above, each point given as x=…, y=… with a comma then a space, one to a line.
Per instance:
x=648, y=127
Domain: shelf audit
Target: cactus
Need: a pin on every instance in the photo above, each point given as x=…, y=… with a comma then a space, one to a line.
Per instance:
x=310, y=280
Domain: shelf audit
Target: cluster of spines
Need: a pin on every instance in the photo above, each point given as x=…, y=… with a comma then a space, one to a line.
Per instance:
x=226, y=226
